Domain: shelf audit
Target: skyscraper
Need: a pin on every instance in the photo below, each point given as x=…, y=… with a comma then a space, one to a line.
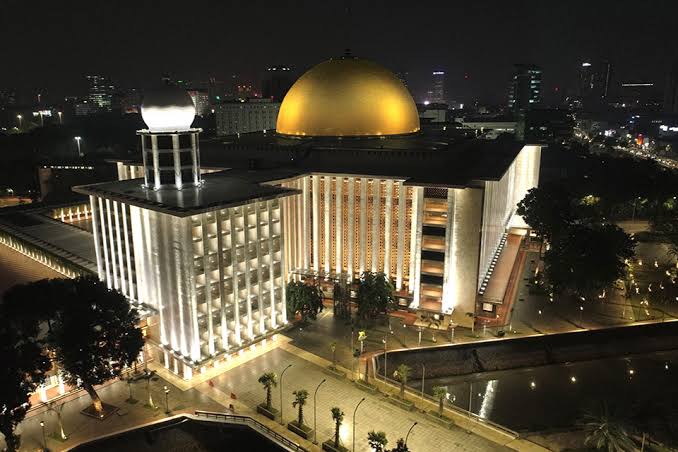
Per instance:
x=525, y=88
x=671, y=90
x=595, y=82
x=100, y=93
x=276, y=82
x=437, y=93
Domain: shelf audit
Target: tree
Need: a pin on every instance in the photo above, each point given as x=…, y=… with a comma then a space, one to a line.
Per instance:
x=300, y=397
x=440, y=392
x=605, y=431
x=94, y=335
x=588, y=259
x=375, y=295
x=401, y=374
x=304, y=299
x=400, y=446
x=338, y=418
x=25, y=365
x=547, y=210
x=377, y=440
x=269, y=380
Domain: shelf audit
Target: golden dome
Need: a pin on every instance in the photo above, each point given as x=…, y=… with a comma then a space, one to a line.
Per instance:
x=348, y=97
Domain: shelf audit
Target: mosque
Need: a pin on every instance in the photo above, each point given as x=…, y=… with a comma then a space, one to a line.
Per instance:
x=347, y=183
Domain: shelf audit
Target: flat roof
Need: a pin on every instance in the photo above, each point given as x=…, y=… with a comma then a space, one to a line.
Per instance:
x=227, y=188
x=422, y=159
x=65, y=240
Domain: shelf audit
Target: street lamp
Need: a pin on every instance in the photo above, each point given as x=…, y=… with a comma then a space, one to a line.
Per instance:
x=61, y=119
x=44, y=437
x=77, y=140
x=167, y=391
x=20, y=118
x=281, y=392
x=354, y=412
x=385, y=357
x=315, y=430
x=408, y=433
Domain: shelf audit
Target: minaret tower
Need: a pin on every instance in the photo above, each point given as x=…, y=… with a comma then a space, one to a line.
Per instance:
x=169, y=146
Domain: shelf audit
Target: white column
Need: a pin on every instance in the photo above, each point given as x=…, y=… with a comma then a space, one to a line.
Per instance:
x=128, y=254
x=95, y=230
x=388, y=210
x=327, y=229
x=363, y=224
x=121, y=257
x=177, y=161
x=350, y=223
x=221, y=249
x=248, y=285
x=376, y=217
x=111, y=244
x=306, y=238
x=315, y=192
x=271, y=258
x=402, y=202
x=208, y=280
x=234, y=277
x=338, y=232
x=260, y=300
x=415, y=250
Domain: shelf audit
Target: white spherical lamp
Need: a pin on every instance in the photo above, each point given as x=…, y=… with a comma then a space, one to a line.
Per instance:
x=168, y=110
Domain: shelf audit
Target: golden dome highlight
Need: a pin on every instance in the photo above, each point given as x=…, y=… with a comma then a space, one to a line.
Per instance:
x=348, y=97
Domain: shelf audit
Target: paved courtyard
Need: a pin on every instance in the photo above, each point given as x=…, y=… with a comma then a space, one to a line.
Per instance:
x=374, y=414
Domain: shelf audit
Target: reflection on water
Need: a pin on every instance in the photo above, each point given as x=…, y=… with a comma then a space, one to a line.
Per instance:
x=555, y=396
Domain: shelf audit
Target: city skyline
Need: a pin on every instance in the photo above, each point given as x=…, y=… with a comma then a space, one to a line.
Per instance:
x=134, y=51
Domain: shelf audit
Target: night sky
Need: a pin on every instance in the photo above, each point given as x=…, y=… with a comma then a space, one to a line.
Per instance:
x=52, y=44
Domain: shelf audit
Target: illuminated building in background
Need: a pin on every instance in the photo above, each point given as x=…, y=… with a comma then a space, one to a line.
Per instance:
x=348, y=184
x=437, y=93
x=525, y=88
x=276, y=82
x=595, y=83
x=201, y=100
x=100, y=93
x=252, y=115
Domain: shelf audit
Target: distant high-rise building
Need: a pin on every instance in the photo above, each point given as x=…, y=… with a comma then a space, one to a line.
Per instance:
x=437, y=93
x=525, y=88
x=201, y=100
x=671, y=90
x=253, y=115
x=403, y=76
x=276, y=82
x=100, y=93
x=595, y=83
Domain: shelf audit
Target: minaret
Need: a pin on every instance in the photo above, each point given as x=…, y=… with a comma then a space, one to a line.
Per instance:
x=169, y=146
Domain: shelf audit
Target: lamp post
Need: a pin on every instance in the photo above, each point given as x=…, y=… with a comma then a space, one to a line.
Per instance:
x=315, y=394
x=20, y=118
x=167, y=391
x=385, y=357
x=354, y=412
x=281, y=392
x=408, y=433
x=77, y=140
x=44, y=437
x=423, y=375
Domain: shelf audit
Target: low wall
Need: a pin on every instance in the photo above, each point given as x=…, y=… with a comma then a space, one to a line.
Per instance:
x=514, y=353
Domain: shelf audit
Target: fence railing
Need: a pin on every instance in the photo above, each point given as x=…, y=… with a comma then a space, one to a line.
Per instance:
x=246, y=420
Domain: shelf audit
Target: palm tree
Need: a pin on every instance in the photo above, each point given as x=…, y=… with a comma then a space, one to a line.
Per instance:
x=605, y=431
x=268, y=380
x=401, y=374
x=377, y=440
x=440, y=392
x=338, y=418
x=300, y=397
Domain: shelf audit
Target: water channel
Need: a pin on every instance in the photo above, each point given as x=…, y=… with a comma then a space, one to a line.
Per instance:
x=555, y=396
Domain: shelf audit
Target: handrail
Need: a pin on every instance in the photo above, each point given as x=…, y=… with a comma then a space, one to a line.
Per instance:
x=461, y=411
x=234, y=418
